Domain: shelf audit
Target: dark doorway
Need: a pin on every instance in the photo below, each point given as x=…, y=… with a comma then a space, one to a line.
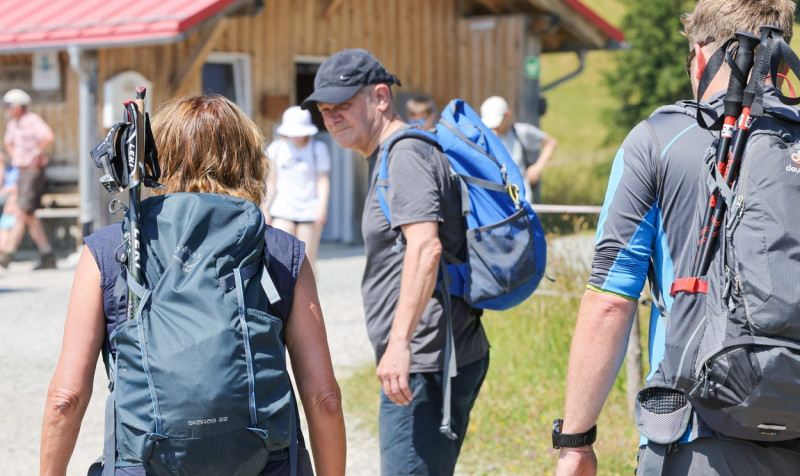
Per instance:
x=304, y=84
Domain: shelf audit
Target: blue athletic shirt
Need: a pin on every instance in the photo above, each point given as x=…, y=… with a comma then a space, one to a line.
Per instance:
x=649, y=211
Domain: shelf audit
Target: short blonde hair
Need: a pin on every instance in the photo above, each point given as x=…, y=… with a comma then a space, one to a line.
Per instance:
x=207, y=144
x=721, y=19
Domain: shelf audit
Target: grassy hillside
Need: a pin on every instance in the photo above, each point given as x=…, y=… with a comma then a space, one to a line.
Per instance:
x=576, y=116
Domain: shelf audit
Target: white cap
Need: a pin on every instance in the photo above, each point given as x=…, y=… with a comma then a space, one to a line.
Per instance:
x=493, y=110
x=17, y=97
x=296, y=123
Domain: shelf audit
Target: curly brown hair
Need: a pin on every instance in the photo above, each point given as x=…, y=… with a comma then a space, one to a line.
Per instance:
x=207, y=144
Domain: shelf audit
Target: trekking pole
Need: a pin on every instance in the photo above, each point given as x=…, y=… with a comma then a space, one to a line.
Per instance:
x=135, y=113
x=752, y=93
x=734, y=98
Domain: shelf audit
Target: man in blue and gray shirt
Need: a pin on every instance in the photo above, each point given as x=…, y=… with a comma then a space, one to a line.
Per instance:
x=648, y=220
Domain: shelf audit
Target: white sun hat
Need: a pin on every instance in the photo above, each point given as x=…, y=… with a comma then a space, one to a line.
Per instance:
x=17, y=97
x=296, y=123
x=493, y=110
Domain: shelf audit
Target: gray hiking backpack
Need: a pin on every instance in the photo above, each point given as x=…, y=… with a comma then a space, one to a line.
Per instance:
x=732, y=351
x=199, y=381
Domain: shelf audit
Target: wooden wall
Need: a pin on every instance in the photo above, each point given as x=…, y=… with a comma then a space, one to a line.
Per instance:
x=425, y=43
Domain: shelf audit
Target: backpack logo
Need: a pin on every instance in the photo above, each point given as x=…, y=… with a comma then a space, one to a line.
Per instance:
x=796, y=160
x=187, y=258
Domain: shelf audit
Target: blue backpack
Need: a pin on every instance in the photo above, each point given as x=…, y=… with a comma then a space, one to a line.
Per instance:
x=507, y=252
x=506, y=248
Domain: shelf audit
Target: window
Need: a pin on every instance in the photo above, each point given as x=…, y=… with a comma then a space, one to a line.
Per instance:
x=228, y=74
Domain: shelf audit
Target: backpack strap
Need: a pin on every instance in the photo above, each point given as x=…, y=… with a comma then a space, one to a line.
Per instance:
x=283, y=257
x=526, y=152
x=382, y=181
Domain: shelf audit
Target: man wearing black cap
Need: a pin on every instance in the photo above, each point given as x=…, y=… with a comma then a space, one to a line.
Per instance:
x=404, y=313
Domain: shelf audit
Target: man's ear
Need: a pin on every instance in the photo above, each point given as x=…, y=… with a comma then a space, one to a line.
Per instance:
x=701, y=59
x=383, y=96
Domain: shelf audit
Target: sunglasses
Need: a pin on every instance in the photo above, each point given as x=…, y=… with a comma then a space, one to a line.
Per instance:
x=687, y=63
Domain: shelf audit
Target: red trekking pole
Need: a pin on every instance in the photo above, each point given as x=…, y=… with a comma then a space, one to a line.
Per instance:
x=730, y=170
x=734, y=97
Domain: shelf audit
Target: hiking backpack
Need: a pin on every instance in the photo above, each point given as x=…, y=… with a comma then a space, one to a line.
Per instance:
x=506, y=248
x=733, y=333
x=199, y=380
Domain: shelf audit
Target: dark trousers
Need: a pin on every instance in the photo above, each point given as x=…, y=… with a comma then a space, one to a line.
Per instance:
x=410, y=441
x=717, y=457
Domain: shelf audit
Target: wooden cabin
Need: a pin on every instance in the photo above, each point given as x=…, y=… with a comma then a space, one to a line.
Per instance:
x=79, y=59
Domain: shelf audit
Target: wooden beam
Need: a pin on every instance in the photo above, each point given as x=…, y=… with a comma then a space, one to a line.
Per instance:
x=179, y=83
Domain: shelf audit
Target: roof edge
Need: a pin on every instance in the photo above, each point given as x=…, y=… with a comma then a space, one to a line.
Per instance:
x=616, y=34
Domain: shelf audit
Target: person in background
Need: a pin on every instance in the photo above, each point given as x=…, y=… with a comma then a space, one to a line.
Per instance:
x=27, y=137
x=647, y=228
x=299, y=185
x=406, y=321
x=530, y=147
x=227, y=158
x=421, y=112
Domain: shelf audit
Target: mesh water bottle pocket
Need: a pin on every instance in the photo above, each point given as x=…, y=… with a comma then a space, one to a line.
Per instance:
x=501, y=257
x=662, y=414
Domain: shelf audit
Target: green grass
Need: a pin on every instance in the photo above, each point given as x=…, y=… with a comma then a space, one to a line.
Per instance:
x=509, y=431
x=576, y=116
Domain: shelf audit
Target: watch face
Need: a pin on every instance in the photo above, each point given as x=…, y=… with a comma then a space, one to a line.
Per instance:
x=557, y=426
x=557, y=432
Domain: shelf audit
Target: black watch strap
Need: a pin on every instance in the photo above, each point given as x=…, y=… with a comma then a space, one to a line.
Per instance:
x=576, y=440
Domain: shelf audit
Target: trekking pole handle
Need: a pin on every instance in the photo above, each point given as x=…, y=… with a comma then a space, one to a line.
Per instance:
x=743, y=63
x=140, y=132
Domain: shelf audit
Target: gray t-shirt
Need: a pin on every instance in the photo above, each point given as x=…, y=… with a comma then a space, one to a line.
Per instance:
x=523, y=143
x=420, y=189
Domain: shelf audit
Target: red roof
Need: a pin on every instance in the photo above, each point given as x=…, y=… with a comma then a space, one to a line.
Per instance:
x=40, y=24
x=593, y=17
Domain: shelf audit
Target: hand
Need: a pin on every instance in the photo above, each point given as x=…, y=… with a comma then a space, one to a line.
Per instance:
x=321, y=220
x=577, y=462
x=393, y=371
x=533, y=174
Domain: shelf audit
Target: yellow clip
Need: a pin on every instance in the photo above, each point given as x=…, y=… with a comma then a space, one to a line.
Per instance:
x=513, y=190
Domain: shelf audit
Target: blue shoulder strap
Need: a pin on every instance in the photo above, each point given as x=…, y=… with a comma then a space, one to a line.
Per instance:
x=383, y=164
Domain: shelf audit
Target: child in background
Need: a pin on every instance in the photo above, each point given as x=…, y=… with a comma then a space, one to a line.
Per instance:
x=299, y=182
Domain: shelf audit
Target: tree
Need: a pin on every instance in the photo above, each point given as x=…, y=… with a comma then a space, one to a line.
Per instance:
x=650, y=73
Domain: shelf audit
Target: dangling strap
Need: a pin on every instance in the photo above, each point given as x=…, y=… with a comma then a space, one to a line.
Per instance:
x=652, y=460
x=293, y=436
x=691, y=285
x=450, y=367
x=110, y=444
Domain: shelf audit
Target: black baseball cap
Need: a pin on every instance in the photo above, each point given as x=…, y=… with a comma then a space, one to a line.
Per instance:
x=341, y=76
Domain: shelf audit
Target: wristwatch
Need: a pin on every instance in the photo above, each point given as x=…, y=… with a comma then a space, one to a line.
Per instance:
x=561, y=440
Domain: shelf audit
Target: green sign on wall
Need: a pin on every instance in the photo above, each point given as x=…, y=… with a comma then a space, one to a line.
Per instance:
x=532, y=67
